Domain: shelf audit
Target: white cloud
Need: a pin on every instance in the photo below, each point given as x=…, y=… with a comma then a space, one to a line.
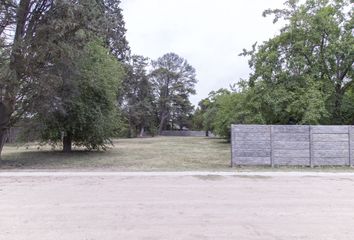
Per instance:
x=209, y=34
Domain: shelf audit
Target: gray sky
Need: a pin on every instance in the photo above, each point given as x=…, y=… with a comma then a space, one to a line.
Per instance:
x=209, y=34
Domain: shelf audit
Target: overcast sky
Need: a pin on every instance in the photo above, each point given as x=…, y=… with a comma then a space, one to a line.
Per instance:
x=209, y=34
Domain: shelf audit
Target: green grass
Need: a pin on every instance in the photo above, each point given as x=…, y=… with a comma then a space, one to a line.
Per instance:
x=140, y=154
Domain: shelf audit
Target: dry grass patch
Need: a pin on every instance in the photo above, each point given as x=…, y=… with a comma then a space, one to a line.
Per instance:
x=141, y=154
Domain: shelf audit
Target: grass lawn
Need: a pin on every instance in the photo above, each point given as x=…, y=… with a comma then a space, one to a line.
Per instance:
x=140, y=154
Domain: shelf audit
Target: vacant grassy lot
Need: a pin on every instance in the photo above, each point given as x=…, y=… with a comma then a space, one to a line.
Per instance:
x=141, y=154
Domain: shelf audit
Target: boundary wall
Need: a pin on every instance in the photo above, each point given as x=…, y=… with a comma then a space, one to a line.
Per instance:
x=175, y=133
x=301, y=145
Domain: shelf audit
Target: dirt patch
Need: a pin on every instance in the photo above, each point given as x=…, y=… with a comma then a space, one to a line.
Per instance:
x=210, y=177
x=254, y=177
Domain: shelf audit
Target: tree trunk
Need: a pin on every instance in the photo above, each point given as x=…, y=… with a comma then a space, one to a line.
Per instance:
x=337, y=111
x=142, y=132
x=207, y=133
x=162, y=123
x=4, y=123
x=8, y=101
x=131, y=131
x=3, y=136
x=67, y=142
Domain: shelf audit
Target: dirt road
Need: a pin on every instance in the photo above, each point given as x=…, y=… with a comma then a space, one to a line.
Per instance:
x=153, y=207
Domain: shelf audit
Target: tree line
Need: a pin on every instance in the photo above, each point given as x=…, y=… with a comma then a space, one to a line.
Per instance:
x=157, y=99
x=303, y=75
x=67, y=74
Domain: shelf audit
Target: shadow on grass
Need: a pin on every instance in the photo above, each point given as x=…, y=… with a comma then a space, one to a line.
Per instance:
x=222, y=141
x=48, y=159
x=219, y=140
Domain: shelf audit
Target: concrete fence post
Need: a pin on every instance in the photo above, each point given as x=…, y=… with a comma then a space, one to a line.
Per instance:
x=311, y=147
x=350, y=147
x=232, y=146
x=271, y=130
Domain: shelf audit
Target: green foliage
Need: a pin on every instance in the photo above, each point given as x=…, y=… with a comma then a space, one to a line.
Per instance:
x=138, y=99
x=197, y=120
x=56, y=71
x=304, y=75
x=348, y=107
x=279, y=104
x=307, y=68
x=173, y=80
x=112, y=26
x=90, y=114
x=223, y=108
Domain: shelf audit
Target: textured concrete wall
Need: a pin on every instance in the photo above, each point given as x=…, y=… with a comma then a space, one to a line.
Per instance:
x=186, y=133
x=292, y=145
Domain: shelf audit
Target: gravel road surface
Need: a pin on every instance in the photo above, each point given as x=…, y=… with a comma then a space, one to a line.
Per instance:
x=123, y=206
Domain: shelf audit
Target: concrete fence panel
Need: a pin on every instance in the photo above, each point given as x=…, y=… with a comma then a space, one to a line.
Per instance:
x=251, y=144
x=330, y=145
x=301, y=145
x=175, y=133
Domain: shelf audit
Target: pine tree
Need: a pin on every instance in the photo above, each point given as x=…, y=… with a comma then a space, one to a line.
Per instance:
x=173, y=79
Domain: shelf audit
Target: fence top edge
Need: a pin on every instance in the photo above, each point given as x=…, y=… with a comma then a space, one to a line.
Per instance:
x=287, y=125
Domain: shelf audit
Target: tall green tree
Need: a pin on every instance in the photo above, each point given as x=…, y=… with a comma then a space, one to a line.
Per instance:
x=48, y=36
x=182, y=112
x=205, y=114
x=87, y=114
x=138, y=103
x=173, y=80
x=303, y=73
x=114, y=29
x=22, y=18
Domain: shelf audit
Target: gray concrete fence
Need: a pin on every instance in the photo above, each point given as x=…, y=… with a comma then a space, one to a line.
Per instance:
x=188, y=133
x=303, y=145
